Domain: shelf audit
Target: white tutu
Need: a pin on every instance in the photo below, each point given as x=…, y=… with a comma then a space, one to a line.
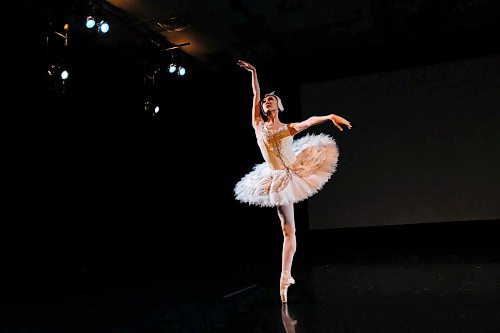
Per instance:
x=314, y=160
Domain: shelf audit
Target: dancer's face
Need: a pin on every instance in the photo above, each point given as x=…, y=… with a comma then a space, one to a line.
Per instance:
x=269, y=103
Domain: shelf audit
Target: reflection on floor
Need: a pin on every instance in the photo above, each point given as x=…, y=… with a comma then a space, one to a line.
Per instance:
x=367, y=290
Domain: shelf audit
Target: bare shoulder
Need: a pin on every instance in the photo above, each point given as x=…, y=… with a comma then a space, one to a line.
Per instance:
x=294, y=128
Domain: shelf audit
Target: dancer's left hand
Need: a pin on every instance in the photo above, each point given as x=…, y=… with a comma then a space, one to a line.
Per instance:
x=337, y=121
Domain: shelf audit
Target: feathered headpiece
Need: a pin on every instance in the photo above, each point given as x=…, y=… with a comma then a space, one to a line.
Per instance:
x=280, y=104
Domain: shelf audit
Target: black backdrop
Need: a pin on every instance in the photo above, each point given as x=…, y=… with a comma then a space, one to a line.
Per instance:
x=424, y=147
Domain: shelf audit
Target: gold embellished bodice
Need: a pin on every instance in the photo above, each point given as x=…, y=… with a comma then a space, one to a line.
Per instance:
x=276, y=146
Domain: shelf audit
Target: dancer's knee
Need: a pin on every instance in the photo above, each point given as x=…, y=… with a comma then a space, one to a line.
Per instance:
x=288, y=229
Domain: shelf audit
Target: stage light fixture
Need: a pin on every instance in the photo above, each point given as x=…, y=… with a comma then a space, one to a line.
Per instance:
x=64, y=74
x=56, y=78
x=103, y=27
x=181, y=71
x=150, y=106
x=57, y=70
x=172, y=68
x=90, y=22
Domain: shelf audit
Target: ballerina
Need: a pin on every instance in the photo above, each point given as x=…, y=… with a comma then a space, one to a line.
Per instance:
x=292, y=171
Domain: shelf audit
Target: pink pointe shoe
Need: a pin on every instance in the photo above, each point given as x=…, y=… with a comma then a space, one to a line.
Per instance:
x=285, y=281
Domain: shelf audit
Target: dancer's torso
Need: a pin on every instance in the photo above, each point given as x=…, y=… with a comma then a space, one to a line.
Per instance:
x=275, y=146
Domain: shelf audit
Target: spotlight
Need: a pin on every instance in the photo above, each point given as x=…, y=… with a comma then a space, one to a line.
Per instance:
x=182, y=71
x=56, y=78
x=151, y=105
x=103, y=27
x=90, y=22
x=57, y=70
x=64, y=74
x=172, y=68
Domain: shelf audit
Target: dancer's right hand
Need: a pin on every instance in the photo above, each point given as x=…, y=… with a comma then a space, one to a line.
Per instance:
x=246, y=65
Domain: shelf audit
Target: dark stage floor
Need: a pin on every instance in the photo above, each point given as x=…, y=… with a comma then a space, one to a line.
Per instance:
x=377, y=290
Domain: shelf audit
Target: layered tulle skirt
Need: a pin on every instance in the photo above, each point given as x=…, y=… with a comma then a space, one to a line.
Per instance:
x=316, y=160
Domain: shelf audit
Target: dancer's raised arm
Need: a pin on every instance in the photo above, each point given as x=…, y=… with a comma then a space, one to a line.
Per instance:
x=256, y=117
